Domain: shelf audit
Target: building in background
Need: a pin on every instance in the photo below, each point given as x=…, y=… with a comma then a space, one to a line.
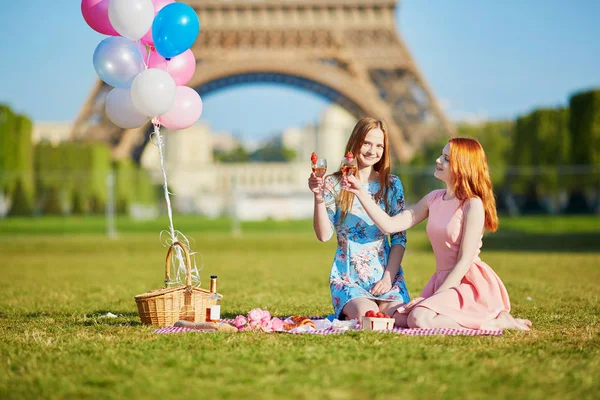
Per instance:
x=254, y=191
x=51, y=131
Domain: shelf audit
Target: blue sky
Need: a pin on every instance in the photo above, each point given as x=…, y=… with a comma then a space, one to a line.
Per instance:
x=482, y=59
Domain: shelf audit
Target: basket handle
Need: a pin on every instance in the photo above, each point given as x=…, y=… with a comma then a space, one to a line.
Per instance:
x=188, y=262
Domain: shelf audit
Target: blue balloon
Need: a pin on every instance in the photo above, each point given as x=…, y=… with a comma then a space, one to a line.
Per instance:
x=175, y=29
x=118, y=61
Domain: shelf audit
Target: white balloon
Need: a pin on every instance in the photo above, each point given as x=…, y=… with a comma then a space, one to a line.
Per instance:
x=121, y=111
x=153, y=92
x=131, y=18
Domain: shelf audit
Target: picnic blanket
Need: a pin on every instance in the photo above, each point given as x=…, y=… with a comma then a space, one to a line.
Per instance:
x=332, y=331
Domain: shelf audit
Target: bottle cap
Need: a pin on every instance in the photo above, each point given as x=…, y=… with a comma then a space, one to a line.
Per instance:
x=213, y=277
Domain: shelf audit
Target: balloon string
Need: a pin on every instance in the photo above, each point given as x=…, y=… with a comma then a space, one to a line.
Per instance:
x=179, y=262
x=149, y=53
x=160, y=143
x=142, y=47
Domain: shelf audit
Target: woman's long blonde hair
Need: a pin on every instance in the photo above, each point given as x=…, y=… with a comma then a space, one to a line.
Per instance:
x=469, y=167
x=345, y=199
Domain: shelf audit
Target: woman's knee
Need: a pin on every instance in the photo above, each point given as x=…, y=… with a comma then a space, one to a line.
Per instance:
x=356, y=308
x=420, y=317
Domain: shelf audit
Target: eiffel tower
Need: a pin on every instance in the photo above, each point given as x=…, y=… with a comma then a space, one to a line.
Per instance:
x=347, y=51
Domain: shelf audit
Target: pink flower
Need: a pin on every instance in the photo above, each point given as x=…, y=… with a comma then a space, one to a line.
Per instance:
x=254, y=324
x=277, y=324
x=255, y=315
x=266, y=316
x=258, y=320
x=266, y=325
x=240, y=321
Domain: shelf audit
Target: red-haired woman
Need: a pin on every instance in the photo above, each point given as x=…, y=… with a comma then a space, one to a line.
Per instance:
x=464, y=292
x=366, y=274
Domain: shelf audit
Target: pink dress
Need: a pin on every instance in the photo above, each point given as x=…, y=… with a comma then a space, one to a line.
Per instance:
x=481, y=295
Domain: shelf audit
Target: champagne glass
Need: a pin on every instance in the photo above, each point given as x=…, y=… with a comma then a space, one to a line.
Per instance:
x=320, y=167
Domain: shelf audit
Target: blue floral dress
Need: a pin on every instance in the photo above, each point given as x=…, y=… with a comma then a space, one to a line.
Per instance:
x=362, y=254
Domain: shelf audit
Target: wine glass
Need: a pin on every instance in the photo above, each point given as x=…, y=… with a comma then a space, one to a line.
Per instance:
x=348, y=166
x=320, y=167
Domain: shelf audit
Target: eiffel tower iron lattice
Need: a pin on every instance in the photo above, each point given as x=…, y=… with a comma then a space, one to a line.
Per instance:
x=348, y=51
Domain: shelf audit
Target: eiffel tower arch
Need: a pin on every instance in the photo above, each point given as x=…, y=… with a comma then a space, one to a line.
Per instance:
x=348, y=51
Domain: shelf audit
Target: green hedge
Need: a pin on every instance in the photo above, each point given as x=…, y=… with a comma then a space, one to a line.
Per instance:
x=22, y=153
x=585, y=128
x=540, y=145
x=496, y=138
x=98, y=169
x=71, y=177
x=50, y=182
x=550, y=148
x=417, y=176
x=7, y=123
x=146, y=191
x=125, y=190
x=16, y=161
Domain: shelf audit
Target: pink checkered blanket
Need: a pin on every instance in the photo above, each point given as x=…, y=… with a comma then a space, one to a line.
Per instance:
x=330, y=331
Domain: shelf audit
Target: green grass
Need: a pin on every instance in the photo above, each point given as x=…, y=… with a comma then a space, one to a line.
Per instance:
x=57, y=283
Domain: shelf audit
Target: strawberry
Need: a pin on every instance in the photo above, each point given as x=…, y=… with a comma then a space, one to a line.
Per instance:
x=350, y=156
x=313, y=158
x=371, y=314
x=380, y=315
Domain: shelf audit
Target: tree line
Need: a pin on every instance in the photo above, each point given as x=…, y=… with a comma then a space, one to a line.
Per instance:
x=547, y=160
x=67, y=178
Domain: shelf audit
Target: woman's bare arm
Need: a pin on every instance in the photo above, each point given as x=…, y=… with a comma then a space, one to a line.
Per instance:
x=400, y=222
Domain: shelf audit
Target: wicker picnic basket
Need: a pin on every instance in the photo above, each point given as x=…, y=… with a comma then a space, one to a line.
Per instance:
x=164, y=307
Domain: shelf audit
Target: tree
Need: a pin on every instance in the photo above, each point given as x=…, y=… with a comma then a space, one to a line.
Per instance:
x=239, y=154
x=417, y=176
x=584, y=128
x=22, y=153
x=7, y=121
x=496, y=138
x=540, y=148
x=273, y=153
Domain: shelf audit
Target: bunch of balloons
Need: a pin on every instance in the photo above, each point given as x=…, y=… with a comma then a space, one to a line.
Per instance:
x=147, y=59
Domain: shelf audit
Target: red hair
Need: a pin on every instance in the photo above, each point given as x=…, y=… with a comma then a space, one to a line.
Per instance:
x=469, y=167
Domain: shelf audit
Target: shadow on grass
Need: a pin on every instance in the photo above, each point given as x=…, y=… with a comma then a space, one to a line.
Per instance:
x=518, y=241
x=110, y=318
x=99, y=317
x=588, y=242
x=41, y=314
x=231, y=315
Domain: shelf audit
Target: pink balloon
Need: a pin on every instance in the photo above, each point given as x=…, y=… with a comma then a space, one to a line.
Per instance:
x=186, y=110
x=158, y=5
x=95, y=13
x=181, y=67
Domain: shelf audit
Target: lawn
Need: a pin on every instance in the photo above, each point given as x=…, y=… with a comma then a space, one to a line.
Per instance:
x=60, y=276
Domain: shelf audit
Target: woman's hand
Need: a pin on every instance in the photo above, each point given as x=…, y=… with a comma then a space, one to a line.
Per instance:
x=315, y=184
x=383, y=286
x=411, y=304
x=352, y=184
